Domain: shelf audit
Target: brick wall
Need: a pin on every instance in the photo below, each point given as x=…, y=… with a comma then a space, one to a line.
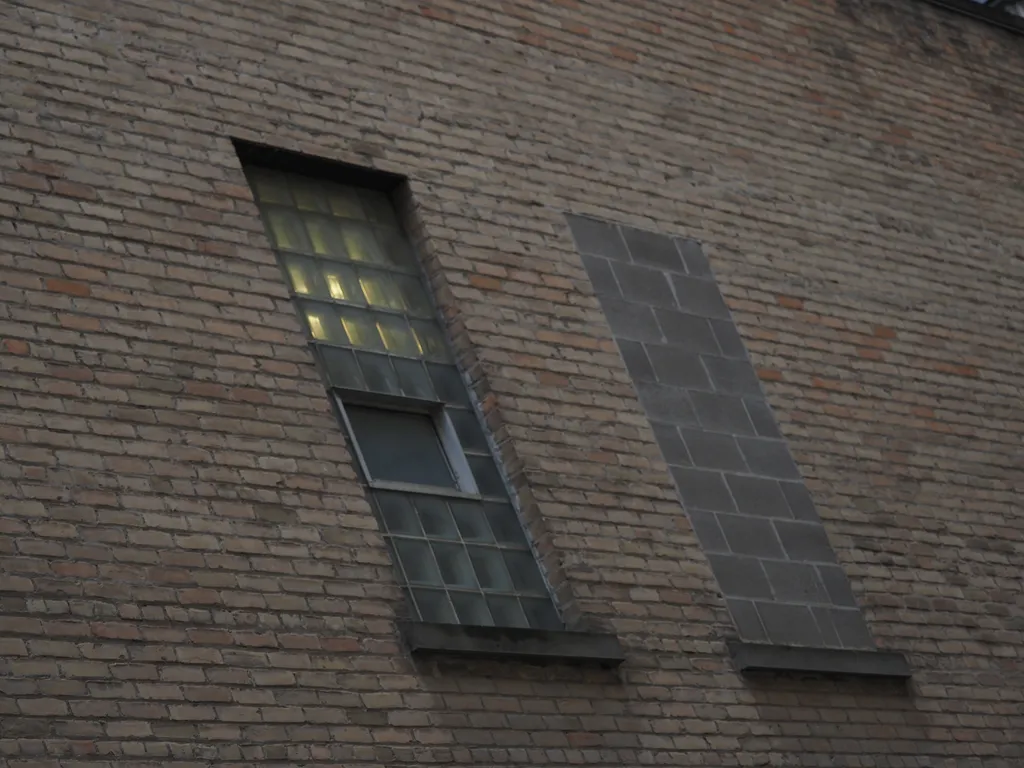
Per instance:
x=191, y=575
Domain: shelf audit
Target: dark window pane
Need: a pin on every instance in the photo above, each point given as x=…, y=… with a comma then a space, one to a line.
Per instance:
x=490, y=568
x=435, y=518
x=525, y=573
x=488, y=481
x=397, y=251
x=505, y=524
x=467, y=427
x=541, y=613
x=397, y=336
x=344, y=202
x=434, y=606
x=341, y=368
x=378, y=208
x=469, y=517
x=417, y=561
x=287, y=231
x=413, y=378
x=471, y=609
x=325, y=236
x=361, y=245
x=448, y=383
x=431, y=340
x=506, y=611
x=309, y=195
x=378, y=373
x=402, y=447
x=415, y=298
x=456, y=569
x=399, y=516
x=270, y=186
x=323, y=323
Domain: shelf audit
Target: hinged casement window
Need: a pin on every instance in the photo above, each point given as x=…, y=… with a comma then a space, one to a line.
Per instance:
x=443, y=504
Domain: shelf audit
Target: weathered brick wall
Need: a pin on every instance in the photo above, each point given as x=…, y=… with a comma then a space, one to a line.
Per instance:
x=190, y=571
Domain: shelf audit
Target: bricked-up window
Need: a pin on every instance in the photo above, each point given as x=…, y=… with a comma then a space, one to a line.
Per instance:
x=444, y=506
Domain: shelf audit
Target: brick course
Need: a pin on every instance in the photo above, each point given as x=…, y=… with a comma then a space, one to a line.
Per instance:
x=191, y=573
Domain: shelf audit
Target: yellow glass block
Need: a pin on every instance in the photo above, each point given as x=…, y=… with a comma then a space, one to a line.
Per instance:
x=270, y=188
x=362, y=332
x=431, y=341
x=325, y=237
x=287, y=231
x=300, y=281
x=380, y=291
x=308, y=196
x=398, y=337
x=316, y=326
x=344, y=203
x=362, y=246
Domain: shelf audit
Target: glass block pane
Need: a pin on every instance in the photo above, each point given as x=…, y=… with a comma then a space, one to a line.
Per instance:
x=504, y=523
x=524, y=571
x=401, y=447
x=396, y=251
x=323, y=322
x=270, y=187
x=287, y=231
x=488, y=481
x=361, y=244
x=431, y=340
x=360, y=329
x=436, y=519
x=380, y=291
x=490, y=568
x=378, y=373
x=433, y=606
x=378, y=208
x=470, y=519
x=417, y=561
x=506, y=611
x=341, y=368
x=456, y=569
x=413, y=296
x=302, y=275
x=471, y=609
x=325, y=237
x=399, y=516
x=467, y=427
x=344, y=202
x=541, y=613
x=340, y=282
x=309, y=195
x=448, y=384
x=397, y=336
x=413, y=378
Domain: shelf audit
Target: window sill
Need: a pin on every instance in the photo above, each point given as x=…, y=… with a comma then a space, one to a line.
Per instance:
x=560, y=646
x=758, y=657
x=998, y=18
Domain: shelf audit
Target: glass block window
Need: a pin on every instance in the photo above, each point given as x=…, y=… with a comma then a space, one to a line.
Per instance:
x=357, y=285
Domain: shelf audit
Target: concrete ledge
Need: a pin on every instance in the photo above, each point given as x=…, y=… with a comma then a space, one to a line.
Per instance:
x=596, y=648
x=758, y=657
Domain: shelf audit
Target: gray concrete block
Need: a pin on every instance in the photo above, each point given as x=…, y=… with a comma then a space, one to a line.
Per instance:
x=800, y=502
x=733, y=377
x=729, y=340
x=852, y=628
x=805, y=542
x=689, y=331
x=709, y=534
x=758, y=496
x=740, y=576
x=667, y=404
x=748, y=623
x=652, y=249
x=788, y=624
x=823, y=618
x=713, y=450
x=702, y=489
x=600, y=273
x=700, y=297
x=637, y=363
x=762, y=417
x=837, y=585
x=597, y=238
x=676, y=367
x=795, y=582
x=722, y=413
x=769, y=457
x=693, y=256
x=644, y=284
x=751, y=536
x=629, y=320
x=672, y=446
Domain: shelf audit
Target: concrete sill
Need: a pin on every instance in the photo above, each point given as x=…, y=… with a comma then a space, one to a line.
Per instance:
x=757, y=657
x=562, y=646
